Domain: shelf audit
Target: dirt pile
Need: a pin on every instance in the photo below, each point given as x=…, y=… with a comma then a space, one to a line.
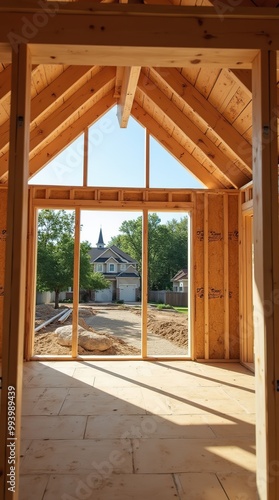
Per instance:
x=171, y=325
x=46, y=340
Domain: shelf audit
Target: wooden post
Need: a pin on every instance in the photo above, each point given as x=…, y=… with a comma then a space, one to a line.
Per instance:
x=266, y=282
x=15, y=274
x=206, y=262
x=144, y=284
x=76, y=284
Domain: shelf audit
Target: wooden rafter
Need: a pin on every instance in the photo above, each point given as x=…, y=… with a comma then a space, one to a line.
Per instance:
x=48, y=98
x=174, y=148
x=128, y=89
x=216, y=157
x=5, y=82
x=204, y=109
x=95, y=85
x=52, y=149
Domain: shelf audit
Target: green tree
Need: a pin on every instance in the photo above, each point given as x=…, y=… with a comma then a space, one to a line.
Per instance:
x=55, y=258
x=167, y=247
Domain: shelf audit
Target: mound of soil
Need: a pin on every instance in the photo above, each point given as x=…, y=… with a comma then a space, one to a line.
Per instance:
x=46, y=342
x=170, y=325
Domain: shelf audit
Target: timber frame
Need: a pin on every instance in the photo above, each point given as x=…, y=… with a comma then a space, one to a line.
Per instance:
x=85, y=33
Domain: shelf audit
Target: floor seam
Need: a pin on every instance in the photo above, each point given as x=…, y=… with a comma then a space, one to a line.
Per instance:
x=177, y=485
x=219, y=481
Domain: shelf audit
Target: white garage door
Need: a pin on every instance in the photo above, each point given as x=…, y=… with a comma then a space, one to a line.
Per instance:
x=127, y=293
x=104, y=295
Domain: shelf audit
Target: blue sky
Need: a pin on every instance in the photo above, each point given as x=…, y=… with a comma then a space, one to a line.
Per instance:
x=116, y=159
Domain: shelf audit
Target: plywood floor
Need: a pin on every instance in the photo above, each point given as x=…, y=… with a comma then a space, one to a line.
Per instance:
x=137, y=430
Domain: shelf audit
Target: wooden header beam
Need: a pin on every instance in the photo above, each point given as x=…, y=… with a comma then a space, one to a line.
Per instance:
x=89, y=33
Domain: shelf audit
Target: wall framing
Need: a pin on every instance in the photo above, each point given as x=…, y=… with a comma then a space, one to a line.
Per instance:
x=243, y=46
x=214, y=249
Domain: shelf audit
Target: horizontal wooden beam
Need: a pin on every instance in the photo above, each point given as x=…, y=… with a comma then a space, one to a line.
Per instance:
x=89, y=33
x=209, y=114
x=118, y=198
x=129, y=85
x=175, y=149
x=210, y=151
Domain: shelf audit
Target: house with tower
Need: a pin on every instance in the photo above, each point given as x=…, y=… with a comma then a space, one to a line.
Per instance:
x=119, y=269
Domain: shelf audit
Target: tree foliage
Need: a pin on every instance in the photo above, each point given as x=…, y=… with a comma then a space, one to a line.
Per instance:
x=55, y=258
x=167, y=247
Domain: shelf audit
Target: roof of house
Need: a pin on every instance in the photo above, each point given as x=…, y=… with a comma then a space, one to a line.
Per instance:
x=97, y=255
x=181, y=275
x=201, y=113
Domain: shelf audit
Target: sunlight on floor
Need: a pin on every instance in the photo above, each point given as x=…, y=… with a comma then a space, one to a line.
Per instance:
x=135, y=429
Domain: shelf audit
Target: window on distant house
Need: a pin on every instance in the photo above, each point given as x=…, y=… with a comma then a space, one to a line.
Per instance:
x=111, y=268
x=123, y=267
x=181, y=284
x=99, y=268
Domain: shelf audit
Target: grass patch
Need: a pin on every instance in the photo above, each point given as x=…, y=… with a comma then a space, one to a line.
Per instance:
x=183, y=310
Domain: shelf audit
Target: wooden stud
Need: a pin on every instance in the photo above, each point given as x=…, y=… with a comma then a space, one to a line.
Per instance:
x=144, y=283
x=191, y=295
x=248, y=287
x=76, y=284
x=226, y=278
x=266, y=272
x=147, y=159
x=206, y=288
x=31, y=279
x=15, y=277
x=241, y=278
x=85, y=158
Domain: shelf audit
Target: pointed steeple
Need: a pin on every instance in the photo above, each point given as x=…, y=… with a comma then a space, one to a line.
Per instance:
x=100, y=243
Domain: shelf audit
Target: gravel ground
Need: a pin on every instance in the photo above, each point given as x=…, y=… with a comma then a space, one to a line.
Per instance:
x=126, y=325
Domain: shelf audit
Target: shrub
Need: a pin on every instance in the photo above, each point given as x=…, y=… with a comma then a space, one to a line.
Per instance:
x=164, y=306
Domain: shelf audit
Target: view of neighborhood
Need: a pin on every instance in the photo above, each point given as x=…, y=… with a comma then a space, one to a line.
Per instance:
x=110, y=284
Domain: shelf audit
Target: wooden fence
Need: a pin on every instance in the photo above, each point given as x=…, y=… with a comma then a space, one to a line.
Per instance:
x=178, y=299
